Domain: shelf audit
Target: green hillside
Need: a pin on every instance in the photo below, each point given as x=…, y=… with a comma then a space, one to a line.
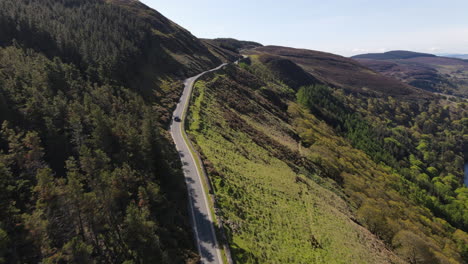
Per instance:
x=88, y=173
x=314, y=158
x=294, y=184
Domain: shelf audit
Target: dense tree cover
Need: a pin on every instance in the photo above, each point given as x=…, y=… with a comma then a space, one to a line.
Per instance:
x=120, y=42
x=103, y=41
x=321, y=102
x=88, y=174
x=410, y=230
x=84, y=177
x=422, y=141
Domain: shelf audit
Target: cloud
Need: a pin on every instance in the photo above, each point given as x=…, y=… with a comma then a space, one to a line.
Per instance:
x=358, y=50
x=434, y=49
x=362, y=50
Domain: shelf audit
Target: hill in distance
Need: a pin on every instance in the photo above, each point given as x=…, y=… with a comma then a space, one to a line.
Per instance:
x=233, y=45
x=338, y=71
x=459, y=56
x=425, y=71
x=393, y=55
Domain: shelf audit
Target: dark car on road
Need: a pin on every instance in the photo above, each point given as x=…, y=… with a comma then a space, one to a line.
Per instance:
x=177, y=119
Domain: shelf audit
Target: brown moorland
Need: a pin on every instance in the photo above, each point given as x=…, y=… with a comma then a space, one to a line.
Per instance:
x=429, y=72
x=338, y=71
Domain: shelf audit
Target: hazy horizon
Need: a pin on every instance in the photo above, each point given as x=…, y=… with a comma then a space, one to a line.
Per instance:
x=338, y=26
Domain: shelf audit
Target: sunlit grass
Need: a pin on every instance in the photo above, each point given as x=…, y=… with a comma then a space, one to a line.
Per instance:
x=270, y=215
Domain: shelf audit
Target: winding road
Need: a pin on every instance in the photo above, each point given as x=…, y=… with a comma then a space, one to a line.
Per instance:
x=201, y=218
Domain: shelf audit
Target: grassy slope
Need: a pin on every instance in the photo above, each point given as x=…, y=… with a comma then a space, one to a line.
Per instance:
x=275, y=214
x=277, y=198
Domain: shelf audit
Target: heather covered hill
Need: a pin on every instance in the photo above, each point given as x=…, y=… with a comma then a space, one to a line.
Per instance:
x=393, y=55
x=233, y=45
x=287, y=71
x=220, y=51
x=428, y=72
x=338, y=71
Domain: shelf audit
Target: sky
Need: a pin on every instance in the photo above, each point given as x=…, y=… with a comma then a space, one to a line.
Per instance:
x=342, y=27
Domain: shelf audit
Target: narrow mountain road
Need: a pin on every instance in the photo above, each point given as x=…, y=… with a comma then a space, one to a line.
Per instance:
x=201, y=218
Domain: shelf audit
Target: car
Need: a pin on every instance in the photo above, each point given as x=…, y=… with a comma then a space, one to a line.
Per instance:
x=177, y=119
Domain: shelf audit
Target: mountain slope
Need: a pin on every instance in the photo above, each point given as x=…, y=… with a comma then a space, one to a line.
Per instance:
x=233, y=45
x=367, y=171
x=122, y=40
x=342, y=72
x=88, y=172
x=275, y=211
x=425, y=71
x=295, y=170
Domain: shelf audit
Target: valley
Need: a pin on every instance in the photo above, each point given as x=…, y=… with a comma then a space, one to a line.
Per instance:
x=263, y=152
x=126, y=139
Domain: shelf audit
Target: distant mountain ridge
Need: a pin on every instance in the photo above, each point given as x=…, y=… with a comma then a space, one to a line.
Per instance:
x=233, y=45
x=458, y=56
x=392, y=55
x=338, y=71
x=426, y=71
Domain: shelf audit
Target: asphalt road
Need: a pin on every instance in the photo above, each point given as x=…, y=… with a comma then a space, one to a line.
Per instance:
x=201, y=219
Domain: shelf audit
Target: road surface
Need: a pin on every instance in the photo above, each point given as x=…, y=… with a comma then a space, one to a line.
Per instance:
x=201, y=219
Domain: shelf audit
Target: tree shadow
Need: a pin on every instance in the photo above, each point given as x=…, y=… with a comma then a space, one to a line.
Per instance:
x=207, y=232
x=206, y=229
x=181, y=155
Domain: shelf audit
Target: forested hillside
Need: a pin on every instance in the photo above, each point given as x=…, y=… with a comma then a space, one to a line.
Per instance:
x=88, y=173
x=298, y=171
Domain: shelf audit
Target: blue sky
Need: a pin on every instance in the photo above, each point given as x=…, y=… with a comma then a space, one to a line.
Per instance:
x=337, y=26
